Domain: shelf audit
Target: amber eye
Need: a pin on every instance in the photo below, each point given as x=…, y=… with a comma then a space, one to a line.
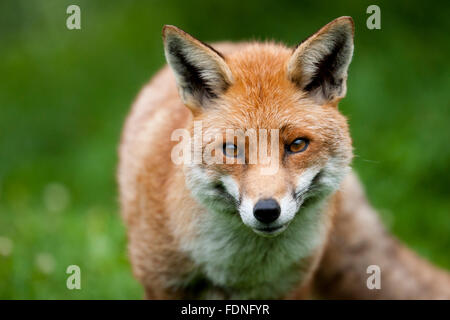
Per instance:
x=298, y=145
x=230, y=150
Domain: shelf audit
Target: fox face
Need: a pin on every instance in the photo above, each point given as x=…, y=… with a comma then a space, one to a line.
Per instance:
x=273, y=142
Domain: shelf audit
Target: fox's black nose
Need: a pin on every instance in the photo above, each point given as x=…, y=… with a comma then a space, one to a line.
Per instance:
x=266, y=210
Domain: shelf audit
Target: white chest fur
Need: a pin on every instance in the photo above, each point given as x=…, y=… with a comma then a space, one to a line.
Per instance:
x=246, y=265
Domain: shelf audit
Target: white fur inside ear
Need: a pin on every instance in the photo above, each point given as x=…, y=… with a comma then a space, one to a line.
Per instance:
x=200, y=72
x=319, y=65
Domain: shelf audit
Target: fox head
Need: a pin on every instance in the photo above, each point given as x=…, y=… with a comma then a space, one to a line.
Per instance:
x=287, y=97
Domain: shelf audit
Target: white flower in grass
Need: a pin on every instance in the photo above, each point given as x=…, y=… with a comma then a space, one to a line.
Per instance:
x=56, y=197
x=6, y=246
x=45, y=262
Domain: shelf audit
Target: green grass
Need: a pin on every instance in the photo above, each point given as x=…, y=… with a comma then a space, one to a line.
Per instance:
x=64, y=95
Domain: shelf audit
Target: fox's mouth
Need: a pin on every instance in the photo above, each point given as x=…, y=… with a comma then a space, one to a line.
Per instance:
x=270, y=231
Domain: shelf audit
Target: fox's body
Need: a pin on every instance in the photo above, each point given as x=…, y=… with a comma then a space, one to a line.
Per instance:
x=191, y=228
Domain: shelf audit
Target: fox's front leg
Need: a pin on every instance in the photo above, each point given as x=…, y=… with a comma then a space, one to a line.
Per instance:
x=156, y=265
x=151, y=293
x=359, y=240
x=156, y=285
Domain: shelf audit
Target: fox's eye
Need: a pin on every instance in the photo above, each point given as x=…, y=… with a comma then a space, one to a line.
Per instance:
x=298, y=145
x=230, y=150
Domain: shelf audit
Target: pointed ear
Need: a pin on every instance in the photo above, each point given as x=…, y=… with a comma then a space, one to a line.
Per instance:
x=200, y=71
x=319, y=64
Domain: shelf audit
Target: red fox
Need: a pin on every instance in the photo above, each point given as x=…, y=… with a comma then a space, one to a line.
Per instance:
x=224, y=229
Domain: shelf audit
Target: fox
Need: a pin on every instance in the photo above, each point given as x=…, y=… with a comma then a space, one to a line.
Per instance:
x=227, y=230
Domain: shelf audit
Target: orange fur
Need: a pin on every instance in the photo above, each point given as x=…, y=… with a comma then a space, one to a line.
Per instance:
x=162, y=215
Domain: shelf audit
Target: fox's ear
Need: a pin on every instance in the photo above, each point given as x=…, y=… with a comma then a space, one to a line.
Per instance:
x=319, y=64
x=200, y=71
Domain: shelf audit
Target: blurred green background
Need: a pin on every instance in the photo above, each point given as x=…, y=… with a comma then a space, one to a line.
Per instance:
x=64, y=96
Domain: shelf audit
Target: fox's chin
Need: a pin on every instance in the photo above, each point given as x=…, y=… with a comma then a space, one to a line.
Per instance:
x=270, y=232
